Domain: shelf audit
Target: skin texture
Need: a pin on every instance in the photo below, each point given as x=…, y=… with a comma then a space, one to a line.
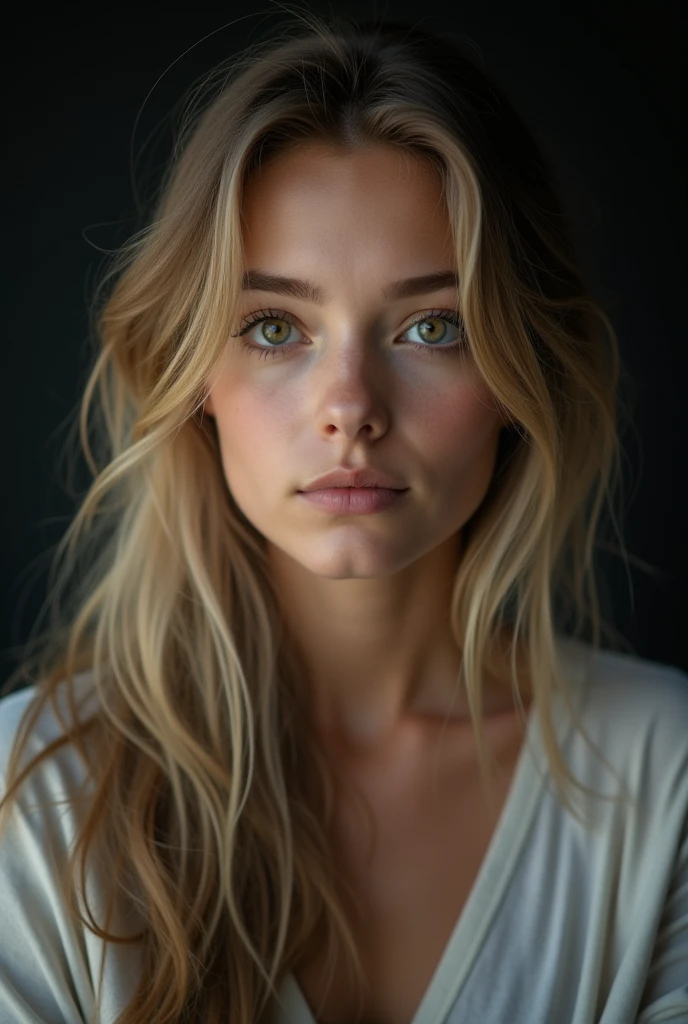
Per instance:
x=366, y=596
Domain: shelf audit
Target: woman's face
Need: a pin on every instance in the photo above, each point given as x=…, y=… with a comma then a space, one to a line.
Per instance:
x=349, y=379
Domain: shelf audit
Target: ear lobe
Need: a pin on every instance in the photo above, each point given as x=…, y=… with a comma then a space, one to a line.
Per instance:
x=208, y=408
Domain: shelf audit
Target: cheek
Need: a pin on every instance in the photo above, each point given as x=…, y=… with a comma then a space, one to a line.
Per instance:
x=253, y=430
x=459, y=427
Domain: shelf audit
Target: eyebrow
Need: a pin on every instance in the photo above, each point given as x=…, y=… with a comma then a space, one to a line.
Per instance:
x=260, y=281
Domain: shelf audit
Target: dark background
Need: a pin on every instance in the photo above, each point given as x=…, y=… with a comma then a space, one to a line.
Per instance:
x=88, y=101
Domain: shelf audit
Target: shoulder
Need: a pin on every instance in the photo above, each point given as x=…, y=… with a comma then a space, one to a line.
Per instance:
x=39, y=823
x=635, y=692
x=49, y=959
x=45, y=728
x=12, y=708
x=636, y=712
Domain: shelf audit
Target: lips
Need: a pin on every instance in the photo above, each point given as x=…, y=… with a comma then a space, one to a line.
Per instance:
x=355, y=501
x=357, y=478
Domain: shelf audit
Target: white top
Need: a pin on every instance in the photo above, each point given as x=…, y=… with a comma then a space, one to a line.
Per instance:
x=561, y=925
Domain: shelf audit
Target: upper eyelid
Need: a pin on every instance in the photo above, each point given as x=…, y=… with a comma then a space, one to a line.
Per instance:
x=267, y=314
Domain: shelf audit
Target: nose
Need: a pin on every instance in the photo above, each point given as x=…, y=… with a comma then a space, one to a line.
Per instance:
x=351, y=391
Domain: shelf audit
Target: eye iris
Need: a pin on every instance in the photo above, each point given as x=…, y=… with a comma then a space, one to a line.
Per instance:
x=270, y=333
x=423, y=329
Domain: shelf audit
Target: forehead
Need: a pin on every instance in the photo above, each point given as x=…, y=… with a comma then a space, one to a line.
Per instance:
x=329, y=201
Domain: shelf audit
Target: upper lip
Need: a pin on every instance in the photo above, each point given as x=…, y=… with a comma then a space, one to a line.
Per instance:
x=365, y=477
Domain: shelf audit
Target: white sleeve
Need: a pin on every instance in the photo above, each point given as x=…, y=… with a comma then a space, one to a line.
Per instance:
x=44, y=971
x=666, y=993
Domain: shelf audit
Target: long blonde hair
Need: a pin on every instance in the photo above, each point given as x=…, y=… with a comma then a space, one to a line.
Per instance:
x=211, y=789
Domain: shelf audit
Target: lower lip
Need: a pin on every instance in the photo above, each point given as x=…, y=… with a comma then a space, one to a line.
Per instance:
x=354, y=501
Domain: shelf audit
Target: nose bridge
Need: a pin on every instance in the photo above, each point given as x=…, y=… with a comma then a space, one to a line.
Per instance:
x=352, y=346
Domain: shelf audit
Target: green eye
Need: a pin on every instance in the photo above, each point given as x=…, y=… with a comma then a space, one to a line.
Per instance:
x=426, y=324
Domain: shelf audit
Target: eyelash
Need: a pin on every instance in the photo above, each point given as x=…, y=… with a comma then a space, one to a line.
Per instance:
x=271, y=314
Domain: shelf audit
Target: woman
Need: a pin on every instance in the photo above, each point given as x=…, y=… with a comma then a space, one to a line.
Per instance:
x=318, y=739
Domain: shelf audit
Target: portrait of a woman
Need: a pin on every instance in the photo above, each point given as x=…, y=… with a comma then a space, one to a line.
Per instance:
x=312, y=744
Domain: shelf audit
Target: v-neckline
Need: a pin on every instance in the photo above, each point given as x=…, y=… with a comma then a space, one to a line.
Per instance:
x=491, y=882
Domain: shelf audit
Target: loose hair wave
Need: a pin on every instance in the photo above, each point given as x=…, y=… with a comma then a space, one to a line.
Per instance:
x=212, y=791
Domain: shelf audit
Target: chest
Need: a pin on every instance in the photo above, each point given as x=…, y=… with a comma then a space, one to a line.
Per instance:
x=411, y=864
